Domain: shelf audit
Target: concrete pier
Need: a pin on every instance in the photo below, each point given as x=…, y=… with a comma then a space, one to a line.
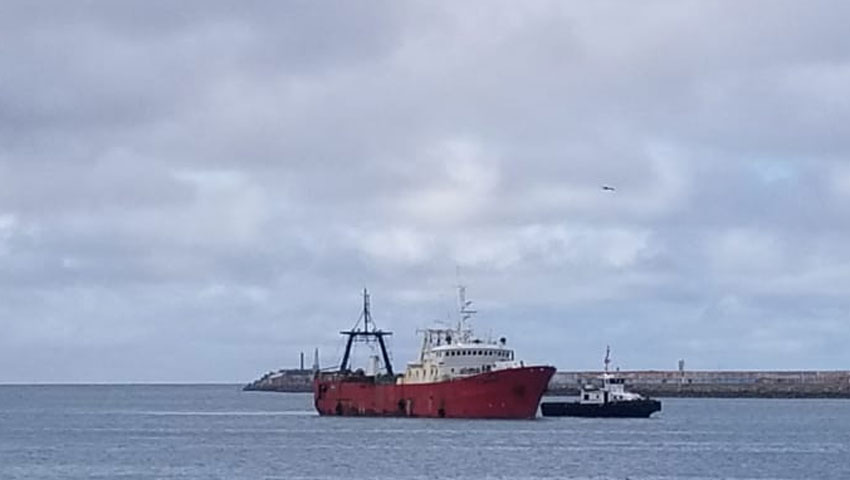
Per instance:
x=289, y=380
x=723, y=383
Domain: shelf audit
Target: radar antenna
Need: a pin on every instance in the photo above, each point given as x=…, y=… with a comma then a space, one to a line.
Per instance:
x=464, y=309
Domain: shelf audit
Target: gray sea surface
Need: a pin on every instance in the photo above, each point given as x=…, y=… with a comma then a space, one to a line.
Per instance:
x=217, y=431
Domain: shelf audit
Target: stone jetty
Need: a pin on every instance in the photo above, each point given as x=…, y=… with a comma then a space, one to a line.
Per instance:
x=719, y=383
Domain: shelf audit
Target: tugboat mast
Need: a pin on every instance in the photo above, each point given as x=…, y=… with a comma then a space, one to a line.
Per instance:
x=369, y=332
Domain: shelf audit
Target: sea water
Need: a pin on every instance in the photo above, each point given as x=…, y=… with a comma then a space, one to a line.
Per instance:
x=217, y=431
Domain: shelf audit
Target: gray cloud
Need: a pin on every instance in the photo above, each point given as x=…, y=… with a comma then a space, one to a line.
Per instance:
x=197, y=192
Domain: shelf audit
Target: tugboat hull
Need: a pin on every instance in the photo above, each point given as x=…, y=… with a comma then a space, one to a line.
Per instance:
x=513, y=393
x=626, y=409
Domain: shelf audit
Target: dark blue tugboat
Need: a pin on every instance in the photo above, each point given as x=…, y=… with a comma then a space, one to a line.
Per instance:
x=608, y=400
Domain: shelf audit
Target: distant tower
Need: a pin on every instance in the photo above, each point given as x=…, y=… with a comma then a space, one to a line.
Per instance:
x=302, y=361
x=682, y=371
x=316, y=360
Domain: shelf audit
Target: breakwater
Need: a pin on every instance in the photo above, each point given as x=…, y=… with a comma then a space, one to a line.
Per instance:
x=756, y=384
x=656, y=383
x=287, y=380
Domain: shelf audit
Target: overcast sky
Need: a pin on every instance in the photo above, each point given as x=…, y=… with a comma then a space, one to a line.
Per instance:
x=198, y=191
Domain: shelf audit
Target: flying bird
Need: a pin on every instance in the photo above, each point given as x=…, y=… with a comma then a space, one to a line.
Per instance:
x=608, y=188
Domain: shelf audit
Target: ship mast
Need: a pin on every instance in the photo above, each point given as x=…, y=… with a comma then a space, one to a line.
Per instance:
x=369, y=332
x=607, y=357
x=465, y=312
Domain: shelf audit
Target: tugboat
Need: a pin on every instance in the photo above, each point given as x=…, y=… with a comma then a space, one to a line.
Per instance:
x=456, y=375
x=609, y=400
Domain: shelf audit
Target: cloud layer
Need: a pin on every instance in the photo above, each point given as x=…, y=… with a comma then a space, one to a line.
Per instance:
x=198, y=192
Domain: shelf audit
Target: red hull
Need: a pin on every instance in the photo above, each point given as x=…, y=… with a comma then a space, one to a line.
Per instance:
x=510, y=393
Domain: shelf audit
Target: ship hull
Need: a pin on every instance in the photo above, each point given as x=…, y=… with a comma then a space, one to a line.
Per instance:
x=508, y=394
x=627, y=409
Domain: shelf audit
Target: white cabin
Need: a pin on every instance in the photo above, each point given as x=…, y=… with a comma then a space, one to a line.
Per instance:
x=612, y=390
x=448, y=354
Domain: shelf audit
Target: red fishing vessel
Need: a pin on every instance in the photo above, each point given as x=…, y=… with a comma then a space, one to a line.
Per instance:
x=456, y=376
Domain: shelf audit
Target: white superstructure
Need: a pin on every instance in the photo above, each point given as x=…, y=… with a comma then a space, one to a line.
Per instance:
x=613, y=389
x=449, y=353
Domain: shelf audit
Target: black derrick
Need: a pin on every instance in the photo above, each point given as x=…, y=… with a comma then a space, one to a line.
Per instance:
x=368, y=333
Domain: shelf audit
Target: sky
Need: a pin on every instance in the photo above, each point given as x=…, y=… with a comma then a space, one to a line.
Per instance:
x=198, y=191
